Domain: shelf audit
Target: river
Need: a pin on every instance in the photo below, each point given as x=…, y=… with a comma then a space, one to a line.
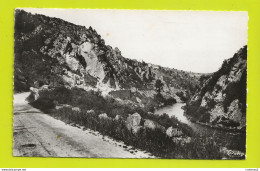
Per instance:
x=177, y=111
x=229, y=136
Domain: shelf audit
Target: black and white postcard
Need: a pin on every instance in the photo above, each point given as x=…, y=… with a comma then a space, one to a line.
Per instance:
x=130, y=84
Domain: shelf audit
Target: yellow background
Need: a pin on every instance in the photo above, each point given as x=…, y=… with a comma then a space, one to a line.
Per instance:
x=6, y=81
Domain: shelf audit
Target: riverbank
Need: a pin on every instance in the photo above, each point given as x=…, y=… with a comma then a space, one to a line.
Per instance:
x=179, y=109
x=225, y=138
x=233, y=130
x=92, y=111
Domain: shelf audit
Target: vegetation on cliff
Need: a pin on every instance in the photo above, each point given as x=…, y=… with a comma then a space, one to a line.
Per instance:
x=221, y=100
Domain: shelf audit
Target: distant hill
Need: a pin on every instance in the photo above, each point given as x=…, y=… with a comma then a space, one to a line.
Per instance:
x=51, y=51
x=221, y=101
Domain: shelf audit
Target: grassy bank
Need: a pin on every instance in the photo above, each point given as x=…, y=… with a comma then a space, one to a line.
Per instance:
x=154, y=141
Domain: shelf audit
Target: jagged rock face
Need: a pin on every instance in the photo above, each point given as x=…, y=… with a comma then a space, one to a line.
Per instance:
x=58, y=53
x=222, y=98
x=93, y=66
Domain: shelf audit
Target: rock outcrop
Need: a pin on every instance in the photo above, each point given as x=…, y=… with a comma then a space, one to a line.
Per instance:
x=103, y=116
x=58, y=53
x=222, y=99
x=133, y=122
x=76, y=109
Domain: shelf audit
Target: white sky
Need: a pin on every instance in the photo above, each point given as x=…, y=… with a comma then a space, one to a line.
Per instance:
x=195, y=41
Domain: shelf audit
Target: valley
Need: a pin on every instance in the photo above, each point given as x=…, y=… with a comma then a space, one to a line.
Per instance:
x=76, y=80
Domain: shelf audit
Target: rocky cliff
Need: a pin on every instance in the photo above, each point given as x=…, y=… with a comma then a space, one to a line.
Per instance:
x=51, y=51
x=221, y=101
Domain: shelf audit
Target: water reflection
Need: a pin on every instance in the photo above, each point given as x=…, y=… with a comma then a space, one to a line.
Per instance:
x=177, y=111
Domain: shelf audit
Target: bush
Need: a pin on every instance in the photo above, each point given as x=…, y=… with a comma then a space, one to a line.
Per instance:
x=60, y=94
x=211, y=104
x=205, y=117
x=160, y=99
x=43, y=103
x=204, y=147
x=228, y=123
x=154, y=141
x=170, y=101
x=182, y=96
x=150, y=105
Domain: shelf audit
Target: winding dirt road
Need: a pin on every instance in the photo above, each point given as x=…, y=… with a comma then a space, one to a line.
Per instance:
x=38, y=134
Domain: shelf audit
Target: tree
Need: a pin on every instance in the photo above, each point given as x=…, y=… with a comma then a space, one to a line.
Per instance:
x=158, y=85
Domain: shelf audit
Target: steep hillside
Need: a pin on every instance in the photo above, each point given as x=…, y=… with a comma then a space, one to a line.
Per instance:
x=51, y=51
x=222, y=99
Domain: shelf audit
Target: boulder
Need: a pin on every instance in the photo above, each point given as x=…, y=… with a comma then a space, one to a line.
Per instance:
x=34, y=93
x=133, y=122
x=235, y=111
x=103, y=116
x=85, y=47
x=91, y=111
x=76, y=109
x=117, y=117
x=173, y=132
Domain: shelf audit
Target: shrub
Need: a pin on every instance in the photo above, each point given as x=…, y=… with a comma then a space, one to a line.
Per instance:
x=182, y=96
x=154, y=141
x=236, y=90
x=205, y=117
x=170, y=101
x=211, y=104
x=228, y=123
x=160, y=99
x=44, y=104
x=204, y=147
x=60, y=94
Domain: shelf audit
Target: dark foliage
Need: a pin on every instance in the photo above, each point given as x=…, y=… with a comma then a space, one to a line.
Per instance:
x=182, y=96
x=44, y=104
x=236, y=90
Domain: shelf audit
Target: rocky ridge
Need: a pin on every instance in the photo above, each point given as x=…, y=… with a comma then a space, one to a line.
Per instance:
x=51, y=51
x=221, y=101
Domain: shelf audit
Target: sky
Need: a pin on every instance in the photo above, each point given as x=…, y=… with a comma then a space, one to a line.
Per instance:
x=196, y=41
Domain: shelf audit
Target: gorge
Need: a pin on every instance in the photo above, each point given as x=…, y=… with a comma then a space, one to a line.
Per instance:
x=74, y=77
